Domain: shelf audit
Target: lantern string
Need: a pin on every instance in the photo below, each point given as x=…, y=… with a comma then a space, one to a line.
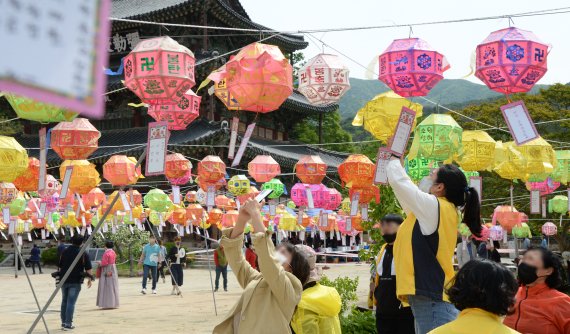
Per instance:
x=9, y=120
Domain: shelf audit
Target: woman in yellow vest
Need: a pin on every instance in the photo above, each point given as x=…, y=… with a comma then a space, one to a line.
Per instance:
x=484, y=292
x=424, y=247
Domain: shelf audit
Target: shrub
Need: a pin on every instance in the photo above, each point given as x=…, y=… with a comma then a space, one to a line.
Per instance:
x=346, y=288
x=49, y=256
x=358, y=322
x=2, y=256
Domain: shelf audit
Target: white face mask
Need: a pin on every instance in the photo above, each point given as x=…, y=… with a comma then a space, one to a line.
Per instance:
x=281, y=258
x=425, y=184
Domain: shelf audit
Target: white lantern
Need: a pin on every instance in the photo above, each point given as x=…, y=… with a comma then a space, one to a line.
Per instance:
x=324, y=79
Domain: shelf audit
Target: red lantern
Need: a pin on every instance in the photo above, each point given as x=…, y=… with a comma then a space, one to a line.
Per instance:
x=177, y=167
x=159, y=71
x=75, y=140
x=356, y=171
x=94, y=198
x=179, y=115
x=311, y=169
x=411, y=67
x=263, y=168
x=259, y=77
x=28, y=180
x=511, y=60
x=211, y=169
x=195, y=213
x=217, y=185
x=120, y=170
x=366, y=194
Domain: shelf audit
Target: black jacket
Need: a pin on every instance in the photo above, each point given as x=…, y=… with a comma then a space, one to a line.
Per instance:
x=172, y=255
x=67, y=257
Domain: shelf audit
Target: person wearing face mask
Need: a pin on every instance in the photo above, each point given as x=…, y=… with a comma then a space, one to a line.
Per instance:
x=271, y=294
x=425, y=243
x=540, y=308
x=177, y=257
x=391, y=315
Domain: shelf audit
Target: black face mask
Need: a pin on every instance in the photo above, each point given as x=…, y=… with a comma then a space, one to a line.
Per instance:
x=389, y=238
x=527, y=273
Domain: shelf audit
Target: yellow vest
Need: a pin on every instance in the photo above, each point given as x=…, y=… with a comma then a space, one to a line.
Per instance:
x=472, y=320
x=424, y=263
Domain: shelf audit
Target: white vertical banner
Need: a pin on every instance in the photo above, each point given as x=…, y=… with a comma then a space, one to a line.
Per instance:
x=233, y=137
x=43, y=159
x=535, y=202
x=354, y=204
x=243, y=144
x=544, y=210
x=66, y=180
x=176, y=194
x=156, y=148
x=309, y=194
x=125, y=201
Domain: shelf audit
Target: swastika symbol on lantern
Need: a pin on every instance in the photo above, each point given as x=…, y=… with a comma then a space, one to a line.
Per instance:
x=147, y=64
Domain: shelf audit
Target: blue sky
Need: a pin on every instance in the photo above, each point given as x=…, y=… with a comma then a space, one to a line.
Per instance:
x=456, y=41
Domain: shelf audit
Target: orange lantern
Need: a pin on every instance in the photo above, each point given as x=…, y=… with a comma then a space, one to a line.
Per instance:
x=195, y=213
x=74, y=140
x=211, y=169
x=224, y=203
x=263, y=168
x=177, y=166
x=204, y=185
x=305, y=220
x=327, y=226
x=178, y=216
x=214, y=216
x=38, y=223
x=229, y=218
x=356, y=223
x=93, y=198
x=253, y=191
x=136, y=199
x=28, y=180
x=366, y=194
x=120, y=170
x=356, y=171
x=191, y=197
x=311, y=169
x=84, y=176
x=8, y=192
x=507, y=216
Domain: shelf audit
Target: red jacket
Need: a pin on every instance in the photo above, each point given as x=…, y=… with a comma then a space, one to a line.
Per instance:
x=251, y=257
x=540, y=310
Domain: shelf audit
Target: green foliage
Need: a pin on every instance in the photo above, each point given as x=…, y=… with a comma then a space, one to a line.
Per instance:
x=49, y=256
x=123, y=239
x=307, y=131
x=2, y=255
x=358, y=322
x=346, y=288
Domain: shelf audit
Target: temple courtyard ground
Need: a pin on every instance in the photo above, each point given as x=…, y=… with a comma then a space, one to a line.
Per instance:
x=161, y=313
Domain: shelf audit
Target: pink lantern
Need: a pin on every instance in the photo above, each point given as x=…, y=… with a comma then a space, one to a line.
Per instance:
x=319, y=192
x=178, y=169
x=299, y=194
x=342, y=227
x=485, y=234
x=259, y=77
x=75, y=140
x=333, y=200
x=549, y=229
x=178, y=115
x=496, y=233
x=410, y=67
x=324, y=79
x=545, y=187
x=263, y=168
x=159, y=71
x=51, y=187
x=511, y=60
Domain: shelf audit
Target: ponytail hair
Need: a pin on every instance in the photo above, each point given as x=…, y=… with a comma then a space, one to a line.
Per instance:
x=461, y=195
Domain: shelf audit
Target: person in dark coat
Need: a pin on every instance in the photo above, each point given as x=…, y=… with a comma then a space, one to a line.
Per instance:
x=35, y=259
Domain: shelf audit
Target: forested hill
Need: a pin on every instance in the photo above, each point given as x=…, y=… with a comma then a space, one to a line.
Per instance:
x=448, y=92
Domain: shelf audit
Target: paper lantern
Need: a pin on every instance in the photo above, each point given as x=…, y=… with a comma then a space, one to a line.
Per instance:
x=17, y=205
x=155, y=218
x=229, y=218
x=38, y=223
x=287, y=222
x=157, y=200
x=216, y=185
x=328, y=225
x=508, y=161
x=562, y=172
x=84, y=176
x=211, y=169
x=33, y=110
x=137, y=198
x=159, y=70
x=224, y=203
x=94, y=198
x=51, y=187
x=319, y=192
x=178, y=169
x=366, y=194
x=178, y=216
x=277, y=186
x=70, y=220
x=522, y=231
x=13, y=159
x=419, y=167
x=253, y=191
x=558, y=204
x=478, y=151
x=511, y=60
x=263, y=168
x=180, y=197
x=195, y=213
x=238, y=185
x=334, y=198
x=311, y=169
x=324, y=79
x=8, y=192
x=51, y=202
x=411, y=67
x=120, y=170
x=549, y=229
x=74, y=140
x=356, y=171
x=259, y=77
x=191, y=197
x=381, y=114
x=538, y=159
x=118, y=203
x=28, y=180
x=299, y=195
x=507, y=216
x=545, y=187
x=222, y=92
x=215, y=216
x=345, y=205
x=437, y=137
x=178, y=115
x=485, y=234
x=496, y=233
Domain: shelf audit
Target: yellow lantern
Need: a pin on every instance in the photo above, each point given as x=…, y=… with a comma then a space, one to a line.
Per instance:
x=13, y=159
x=381, y=114
x=539, y=159
x=478, y=151
x=84, y=176
x=508, y=161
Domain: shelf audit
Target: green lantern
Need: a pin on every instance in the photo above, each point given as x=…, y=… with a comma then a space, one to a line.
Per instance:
x=522, y=231
x=419, y=168
x=238, y=185
x=437, y=137
x=157, y=200
x=17, y=206
x=277, y=186
x=562, y=172
x=558, y=204
x=41, y=112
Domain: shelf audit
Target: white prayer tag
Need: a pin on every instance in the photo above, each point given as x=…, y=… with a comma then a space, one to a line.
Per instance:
x=403, y=131
x=382, y=160
x=364, y=212
x=66, y=180
x=477, y=183
x=176, y=194
x=156, y=148
x=354, y=204
x=125, y=201
x=233, y=137
x=544, y=207
x=243, y=144
x=535, y=202
x=43, y=159
x=43, y=234
x=309, y=193
x=520, y=124
x=211, y=196
x=272, y=208
x=89, y=229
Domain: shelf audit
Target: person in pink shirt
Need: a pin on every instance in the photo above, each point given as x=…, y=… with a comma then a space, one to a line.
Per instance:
x=108, y=291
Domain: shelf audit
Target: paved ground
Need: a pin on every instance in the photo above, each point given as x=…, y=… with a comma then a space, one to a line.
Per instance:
x=161, y=313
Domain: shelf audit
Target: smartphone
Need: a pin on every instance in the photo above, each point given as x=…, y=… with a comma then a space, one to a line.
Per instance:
x=263, y=194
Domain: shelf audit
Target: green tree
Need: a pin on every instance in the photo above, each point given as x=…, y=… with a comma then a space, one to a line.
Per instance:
x=128, y=243
x=307, y=131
